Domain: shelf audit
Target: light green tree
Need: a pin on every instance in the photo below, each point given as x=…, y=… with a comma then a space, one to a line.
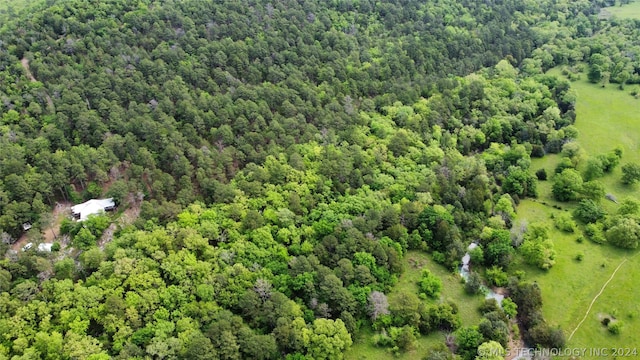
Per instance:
x=327, y=339
x=490, y=350
x=430, y=284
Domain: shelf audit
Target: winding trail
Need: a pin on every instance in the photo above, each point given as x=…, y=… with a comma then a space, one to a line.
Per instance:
x=25, y=65
x=596, y=298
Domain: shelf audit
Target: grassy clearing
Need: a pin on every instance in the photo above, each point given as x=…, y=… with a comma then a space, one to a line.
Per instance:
x=452, y=289
x=606, y=118
x=364, y=349
x=627, y=11
x=415, y=261
x=549, y=163
x=569, y=287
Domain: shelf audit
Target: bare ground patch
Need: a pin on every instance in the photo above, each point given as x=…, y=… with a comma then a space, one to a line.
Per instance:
x=50, y=233
x=128, y=216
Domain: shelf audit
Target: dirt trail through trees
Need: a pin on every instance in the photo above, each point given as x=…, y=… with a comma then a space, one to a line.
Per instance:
x=25, y=65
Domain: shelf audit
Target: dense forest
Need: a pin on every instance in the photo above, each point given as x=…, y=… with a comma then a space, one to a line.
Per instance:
x=284, y=156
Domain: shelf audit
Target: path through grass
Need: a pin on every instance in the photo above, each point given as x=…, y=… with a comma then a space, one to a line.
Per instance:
x=572, y=289
x=596, y=298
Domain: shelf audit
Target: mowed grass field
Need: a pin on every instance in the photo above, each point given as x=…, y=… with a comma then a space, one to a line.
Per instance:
x=627, y=11
x=453, y=289
x=606, y=117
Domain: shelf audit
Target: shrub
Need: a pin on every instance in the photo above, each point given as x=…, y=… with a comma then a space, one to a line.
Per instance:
x=588, y=211
x=615, y=327
x=382, y=340
x=429, y=284
x=565, y=223
x=595, y=233
x=510, y=308
x=438, y=257
x=398, y=338
x=477, y=255
x=55, y=247
x=406, y=339
x=579, y=257
x=489, y=305
x=541, y=174
x=473, y=285
x=496, y=276
x=537, y=151
x=630, y=174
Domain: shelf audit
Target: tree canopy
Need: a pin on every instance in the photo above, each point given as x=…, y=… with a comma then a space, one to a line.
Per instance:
x=277, y=160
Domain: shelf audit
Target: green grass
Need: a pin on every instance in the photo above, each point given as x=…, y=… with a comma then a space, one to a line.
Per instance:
x=364, y=349
x=549, y=163
x=453, y=289
x=628, y=11
x=569, y=287
x=606, y=117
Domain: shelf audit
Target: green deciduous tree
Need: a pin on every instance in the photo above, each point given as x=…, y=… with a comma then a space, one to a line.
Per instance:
x=520, y=182
x=473, y=284
x=327, y=339
x=630, y=173
x=429, y=284
x=84, y=238
x=490, y=350
x=467, y=340
x=537, y=249
x=592, y=190
x=510, y=308
x=567, y=185
x=624, y=233
x=588, y=211
x=65, y=269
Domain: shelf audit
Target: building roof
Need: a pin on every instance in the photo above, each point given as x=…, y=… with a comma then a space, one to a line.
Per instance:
x=93, y=206
x=45, y=247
